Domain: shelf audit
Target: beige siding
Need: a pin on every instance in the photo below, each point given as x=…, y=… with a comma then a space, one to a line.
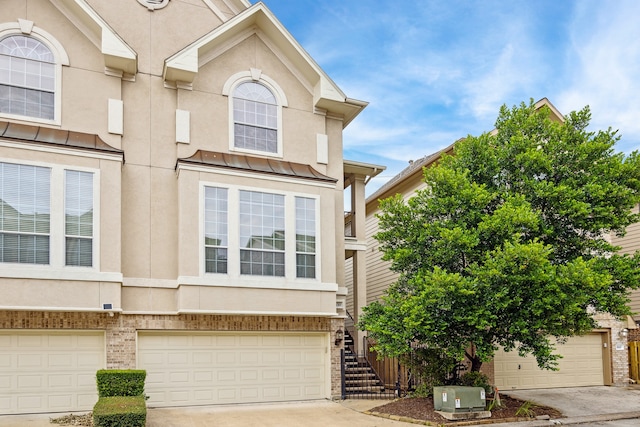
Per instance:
x=379, y=277
x=629, y=244
x=348, y=283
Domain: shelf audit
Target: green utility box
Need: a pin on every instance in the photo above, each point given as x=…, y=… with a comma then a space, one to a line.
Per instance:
x=459, y=399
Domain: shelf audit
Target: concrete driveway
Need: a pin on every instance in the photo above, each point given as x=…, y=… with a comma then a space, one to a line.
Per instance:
x=309, y=414
x=322, y=413
x=581, y=401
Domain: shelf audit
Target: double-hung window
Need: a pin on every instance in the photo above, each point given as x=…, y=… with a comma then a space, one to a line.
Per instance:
x=27, y=78
x=46, y=215
x=215, y=229
x=25, y=227
x=78, y=218
x=255, y=118
x=256, y=233
x=262, y=234
x=305, y=237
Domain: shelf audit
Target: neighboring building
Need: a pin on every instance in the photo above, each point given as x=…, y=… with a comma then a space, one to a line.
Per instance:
x=599, y=358
x=171, y=179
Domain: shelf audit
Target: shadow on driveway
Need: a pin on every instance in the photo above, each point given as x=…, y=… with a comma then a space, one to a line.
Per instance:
x=322, y=413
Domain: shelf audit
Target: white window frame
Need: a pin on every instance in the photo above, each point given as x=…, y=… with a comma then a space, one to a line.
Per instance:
x=233, y=276
x=57, y=268
x=26, y=28
x=256, y=76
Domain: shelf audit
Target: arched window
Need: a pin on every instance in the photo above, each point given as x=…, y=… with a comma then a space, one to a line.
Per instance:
x=255, y=118
x=27, y=77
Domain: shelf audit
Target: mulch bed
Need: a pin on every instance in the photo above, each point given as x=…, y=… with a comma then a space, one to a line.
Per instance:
x=421, y=408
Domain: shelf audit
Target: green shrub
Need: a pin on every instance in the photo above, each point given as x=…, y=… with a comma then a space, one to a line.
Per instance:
x=117, y=382
x=476, y=379
x=120, y=411
x=423, y=390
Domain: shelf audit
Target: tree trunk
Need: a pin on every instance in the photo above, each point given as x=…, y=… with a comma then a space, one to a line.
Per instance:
x=476, y=363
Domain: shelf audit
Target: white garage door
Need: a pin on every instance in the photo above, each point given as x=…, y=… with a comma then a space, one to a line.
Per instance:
x=215, y=368
x=582, y=365
x=49, y=371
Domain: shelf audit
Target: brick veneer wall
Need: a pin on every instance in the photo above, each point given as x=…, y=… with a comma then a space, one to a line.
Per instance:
x=618, y=346
x=120, y=330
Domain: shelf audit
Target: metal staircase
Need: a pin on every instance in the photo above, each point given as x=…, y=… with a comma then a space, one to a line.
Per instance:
x=360, y=380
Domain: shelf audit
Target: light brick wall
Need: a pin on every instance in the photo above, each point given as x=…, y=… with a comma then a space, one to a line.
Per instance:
x=336, y=362
x=121, y=330
x=618, y=347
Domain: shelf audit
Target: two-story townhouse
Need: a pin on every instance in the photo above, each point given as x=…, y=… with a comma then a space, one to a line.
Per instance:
x=171, y=187
x=598, y=358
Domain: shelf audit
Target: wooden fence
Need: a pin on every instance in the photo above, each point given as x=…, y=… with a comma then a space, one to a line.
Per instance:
x=634, y=360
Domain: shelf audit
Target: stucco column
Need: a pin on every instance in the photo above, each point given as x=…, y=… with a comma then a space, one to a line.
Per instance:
x=358, y=208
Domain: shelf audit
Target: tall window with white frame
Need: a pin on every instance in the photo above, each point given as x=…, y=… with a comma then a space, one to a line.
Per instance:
x=255, y=118
x=27, y=77
x=78, y=218
x=216, y=229
x=305, y=237
x=262, y=234
x=24, y=214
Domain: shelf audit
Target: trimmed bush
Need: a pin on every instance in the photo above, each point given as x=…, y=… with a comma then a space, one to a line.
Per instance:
x=120, y=382
x=120, y=411
x=477, y=379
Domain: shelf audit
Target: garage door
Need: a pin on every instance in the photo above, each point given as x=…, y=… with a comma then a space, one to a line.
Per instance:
x=49, y=371
x=582, y=365
x=217, y=368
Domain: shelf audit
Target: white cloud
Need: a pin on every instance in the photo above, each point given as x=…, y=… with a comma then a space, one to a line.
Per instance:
x=604, y=68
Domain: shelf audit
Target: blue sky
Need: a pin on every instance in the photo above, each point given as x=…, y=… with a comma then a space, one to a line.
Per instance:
x=436, y=71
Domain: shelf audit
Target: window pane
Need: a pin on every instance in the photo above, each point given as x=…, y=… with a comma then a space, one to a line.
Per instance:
x=261, y=263
x=215, y=260
x=79, y=252
x=78, y=209
x=215, y=229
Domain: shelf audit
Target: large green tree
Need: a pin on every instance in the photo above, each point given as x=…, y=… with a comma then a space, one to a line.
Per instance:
x=507, y=244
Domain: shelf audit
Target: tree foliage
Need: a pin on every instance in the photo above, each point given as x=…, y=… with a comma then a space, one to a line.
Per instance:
x=507, y=244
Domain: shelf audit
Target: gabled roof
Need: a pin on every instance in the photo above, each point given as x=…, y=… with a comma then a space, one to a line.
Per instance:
x=119, y=58
x=183, y=66
x=413, y=170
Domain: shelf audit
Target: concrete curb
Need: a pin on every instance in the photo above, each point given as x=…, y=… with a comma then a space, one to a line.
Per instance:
x=506, y=422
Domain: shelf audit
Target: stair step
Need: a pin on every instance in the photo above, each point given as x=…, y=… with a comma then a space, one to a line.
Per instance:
x=372, y=389
x=354, y=375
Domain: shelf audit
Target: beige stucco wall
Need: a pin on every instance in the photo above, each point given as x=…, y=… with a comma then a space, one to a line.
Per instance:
x=149, y=211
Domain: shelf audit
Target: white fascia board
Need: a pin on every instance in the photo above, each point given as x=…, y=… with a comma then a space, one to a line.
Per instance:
x=118, y=55
x=183, y=66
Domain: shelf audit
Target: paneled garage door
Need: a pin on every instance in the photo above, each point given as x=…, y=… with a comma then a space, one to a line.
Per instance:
x=582, y=365
x=49, y=371
x=216, y=368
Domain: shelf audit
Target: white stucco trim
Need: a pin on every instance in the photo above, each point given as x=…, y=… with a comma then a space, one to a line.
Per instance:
x=219, y=280
x=118, y=55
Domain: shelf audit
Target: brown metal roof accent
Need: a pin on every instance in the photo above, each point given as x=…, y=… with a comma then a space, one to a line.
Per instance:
x=255, y=164
x=59, y=137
